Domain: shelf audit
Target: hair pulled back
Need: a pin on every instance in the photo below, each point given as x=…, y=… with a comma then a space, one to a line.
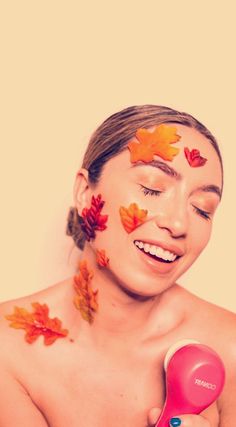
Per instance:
x=111, y=138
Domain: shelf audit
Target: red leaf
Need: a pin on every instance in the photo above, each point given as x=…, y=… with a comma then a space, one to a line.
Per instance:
x=92, y=219
x=194, y=158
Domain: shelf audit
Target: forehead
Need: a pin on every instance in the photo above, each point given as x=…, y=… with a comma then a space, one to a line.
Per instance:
x=209, y=173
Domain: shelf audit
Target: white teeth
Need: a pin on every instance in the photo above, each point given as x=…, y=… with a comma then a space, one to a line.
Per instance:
x=156, y=250
x=153, y=250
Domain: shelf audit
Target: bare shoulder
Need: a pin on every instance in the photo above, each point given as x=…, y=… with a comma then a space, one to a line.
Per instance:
x=210, y=324
x=214, y=318
x=13, y=339
x=20, y=362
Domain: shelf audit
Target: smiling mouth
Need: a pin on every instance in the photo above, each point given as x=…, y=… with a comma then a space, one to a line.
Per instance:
x=156, y=258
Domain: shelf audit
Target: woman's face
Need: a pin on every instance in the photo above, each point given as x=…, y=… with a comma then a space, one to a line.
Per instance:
x=175, y=216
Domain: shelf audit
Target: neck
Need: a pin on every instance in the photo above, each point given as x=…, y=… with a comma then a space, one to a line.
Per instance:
x=123, y=316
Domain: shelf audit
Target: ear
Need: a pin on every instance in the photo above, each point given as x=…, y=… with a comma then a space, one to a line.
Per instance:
x=82, y=190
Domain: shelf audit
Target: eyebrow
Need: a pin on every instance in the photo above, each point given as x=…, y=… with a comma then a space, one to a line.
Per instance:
x=168, y=170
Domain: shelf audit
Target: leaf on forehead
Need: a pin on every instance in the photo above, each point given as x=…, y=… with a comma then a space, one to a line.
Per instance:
x=132, y=216
x=37, y=323
x=86, y=299
x=143, y=151
x=194, y=158
x=102, y=259
x=153, y=143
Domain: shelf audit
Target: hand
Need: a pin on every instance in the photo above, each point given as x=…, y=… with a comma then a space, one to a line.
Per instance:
x=187, y=420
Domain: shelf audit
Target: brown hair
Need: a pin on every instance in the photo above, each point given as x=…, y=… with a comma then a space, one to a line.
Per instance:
x=111, y=138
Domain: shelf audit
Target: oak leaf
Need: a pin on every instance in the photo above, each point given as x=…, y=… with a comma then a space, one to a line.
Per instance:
x=37, y=323
x=86, y=299
x=92, y=219
x=153, y=143
x=102, y=259
x=132, y=216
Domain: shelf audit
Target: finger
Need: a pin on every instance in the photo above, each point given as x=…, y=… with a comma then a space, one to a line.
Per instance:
x=153, y=416
x=189, y=421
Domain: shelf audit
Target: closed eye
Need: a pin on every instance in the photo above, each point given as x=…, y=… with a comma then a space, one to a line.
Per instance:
x=202, y=213
x=149, y=191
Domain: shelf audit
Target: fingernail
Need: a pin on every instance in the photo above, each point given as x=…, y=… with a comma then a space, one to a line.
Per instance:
x=175, y=422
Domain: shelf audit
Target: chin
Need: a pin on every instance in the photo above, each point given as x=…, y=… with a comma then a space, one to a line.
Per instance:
x=141, y=294
x=137, y=295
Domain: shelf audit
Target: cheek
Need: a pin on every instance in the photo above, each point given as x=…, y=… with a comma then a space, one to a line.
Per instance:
x=125, y=208
x=199, y=237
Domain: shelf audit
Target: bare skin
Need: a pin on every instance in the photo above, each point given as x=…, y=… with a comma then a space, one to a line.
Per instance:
x=114, y=380
x=111, y=372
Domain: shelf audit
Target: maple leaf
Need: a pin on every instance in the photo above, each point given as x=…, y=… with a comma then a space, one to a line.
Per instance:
x=86, y=299
x=102, y=259
x=153, y=143
x=143, y=151
x=92, y=219
x=194, y=158
x=132, y=216
x=37, y=323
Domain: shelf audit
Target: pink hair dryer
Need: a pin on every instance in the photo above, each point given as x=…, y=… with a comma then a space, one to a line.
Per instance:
x=195, y=377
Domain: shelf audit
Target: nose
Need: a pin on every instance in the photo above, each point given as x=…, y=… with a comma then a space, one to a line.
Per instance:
x=172, y=216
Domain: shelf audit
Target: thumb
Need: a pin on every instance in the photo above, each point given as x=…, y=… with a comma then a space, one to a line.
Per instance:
x=153, y=416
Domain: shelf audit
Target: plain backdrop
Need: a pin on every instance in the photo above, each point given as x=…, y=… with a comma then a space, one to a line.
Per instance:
x=65, y=67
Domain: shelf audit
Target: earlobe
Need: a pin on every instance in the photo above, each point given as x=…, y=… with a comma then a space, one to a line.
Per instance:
x=82, y=192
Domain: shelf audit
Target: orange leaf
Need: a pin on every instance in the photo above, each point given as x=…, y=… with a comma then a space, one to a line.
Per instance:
x=132, y=216
x=85, y=300
x=102, y=259
x=154, y=143
x=37, y=323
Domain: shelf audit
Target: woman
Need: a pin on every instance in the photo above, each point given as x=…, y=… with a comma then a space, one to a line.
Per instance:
x=144, y=202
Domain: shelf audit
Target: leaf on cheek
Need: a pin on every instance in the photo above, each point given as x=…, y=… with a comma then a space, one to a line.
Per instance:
x=102, y=259
x=92, y=220
x=132, y=216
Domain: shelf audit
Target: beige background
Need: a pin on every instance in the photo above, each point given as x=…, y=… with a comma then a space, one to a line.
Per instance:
x=65, y=67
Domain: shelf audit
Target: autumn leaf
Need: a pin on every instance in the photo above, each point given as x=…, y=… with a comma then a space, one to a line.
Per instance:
x=143, y=151
x=153, y=143
x=86, y=299
x=102, y=259
x=132, y=216
x=194, y=158
x=37, y=323
x=91, y=219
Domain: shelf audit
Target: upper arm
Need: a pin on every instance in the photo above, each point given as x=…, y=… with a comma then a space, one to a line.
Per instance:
x=227, y=407
x=16, y=406
x=227, y=400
